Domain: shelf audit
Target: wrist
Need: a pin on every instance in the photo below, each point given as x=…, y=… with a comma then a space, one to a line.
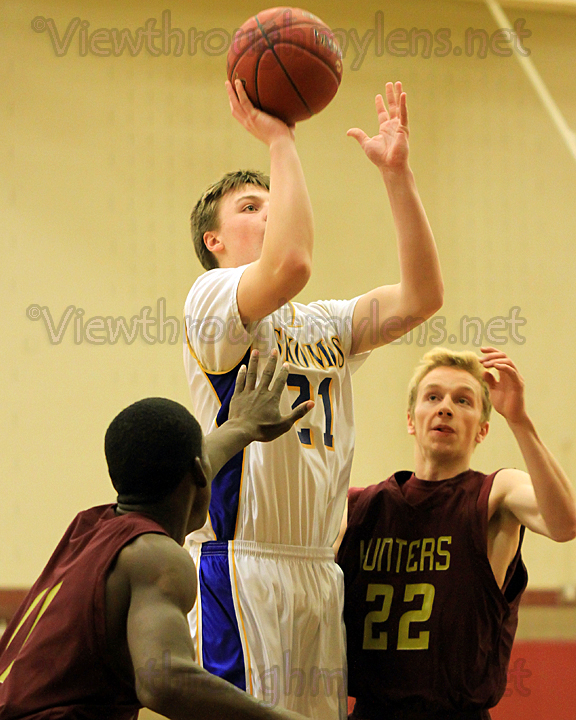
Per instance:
x=393, y=174
x=280, y=143
x=521, y=423
x=242, y=430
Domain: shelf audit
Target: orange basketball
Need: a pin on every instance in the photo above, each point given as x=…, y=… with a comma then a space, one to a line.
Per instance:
x=289, y=62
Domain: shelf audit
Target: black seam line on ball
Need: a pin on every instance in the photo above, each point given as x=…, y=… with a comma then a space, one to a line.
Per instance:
x=282, y=65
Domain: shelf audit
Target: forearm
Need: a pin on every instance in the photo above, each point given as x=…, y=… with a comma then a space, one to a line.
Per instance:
x=289, y=236
x=553, y=490
x=187, y=692
x=226, y=441
x=421, y=283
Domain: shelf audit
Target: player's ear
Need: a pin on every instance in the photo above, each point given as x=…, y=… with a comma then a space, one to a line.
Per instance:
x=411, y=428
x=482, y=432
x=199, y=474
x=212, y=242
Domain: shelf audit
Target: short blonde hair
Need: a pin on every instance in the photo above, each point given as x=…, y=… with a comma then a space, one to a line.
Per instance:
x=443, y=357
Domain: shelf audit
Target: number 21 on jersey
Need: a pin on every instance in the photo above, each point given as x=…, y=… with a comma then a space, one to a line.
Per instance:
x=305, y=393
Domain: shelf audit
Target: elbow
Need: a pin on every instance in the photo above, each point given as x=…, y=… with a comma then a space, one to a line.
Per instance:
x=426, y=304
x=433, y=301
x=153, y=697
x=303, y=272
x=153, y=690
x=567, y=532
x=160, y=690
x=566, y=535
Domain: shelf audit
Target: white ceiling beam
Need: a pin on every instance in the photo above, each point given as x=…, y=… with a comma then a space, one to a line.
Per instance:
x=556, y=6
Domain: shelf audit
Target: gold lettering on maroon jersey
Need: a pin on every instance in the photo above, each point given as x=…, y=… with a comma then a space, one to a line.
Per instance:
x=443, y=553
x=401, y=545
x=376, y=637
x=427, y=542
x=371, y=565
x=424, y=554
x=411, y=562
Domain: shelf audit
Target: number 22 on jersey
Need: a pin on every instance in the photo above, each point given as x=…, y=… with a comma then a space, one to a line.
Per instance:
x=376, y=639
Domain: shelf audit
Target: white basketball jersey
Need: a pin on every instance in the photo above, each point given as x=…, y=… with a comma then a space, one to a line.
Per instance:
x=291, y=491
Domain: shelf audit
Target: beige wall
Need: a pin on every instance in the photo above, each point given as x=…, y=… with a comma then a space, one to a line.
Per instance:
x=103, y=157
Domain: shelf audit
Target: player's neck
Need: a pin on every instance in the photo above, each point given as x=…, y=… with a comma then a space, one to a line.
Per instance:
x=162, y=513
x=439, y=468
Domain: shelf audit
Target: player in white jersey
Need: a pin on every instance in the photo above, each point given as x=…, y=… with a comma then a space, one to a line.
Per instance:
x=269, y=611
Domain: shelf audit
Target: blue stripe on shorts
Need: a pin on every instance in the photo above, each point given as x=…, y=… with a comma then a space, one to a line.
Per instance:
x=222, y=652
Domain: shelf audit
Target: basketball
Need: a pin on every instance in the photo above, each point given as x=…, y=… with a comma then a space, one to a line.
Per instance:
x=289, y=62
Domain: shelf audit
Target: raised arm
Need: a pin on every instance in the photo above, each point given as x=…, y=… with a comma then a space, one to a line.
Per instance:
x=285, y=264
x=162, y=581
x=542, y=499
x=389, y=311
x=254, y=412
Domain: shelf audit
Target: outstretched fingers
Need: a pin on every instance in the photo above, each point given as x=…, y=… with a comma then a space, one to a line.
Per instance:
x=247, y=376
x=360, y=135
x=396, y=100
x=240, y=381
x=392, y=98
x=403, y=110
x=252, y=371
x=299, y=412
x=269, y=370
x=381, y=109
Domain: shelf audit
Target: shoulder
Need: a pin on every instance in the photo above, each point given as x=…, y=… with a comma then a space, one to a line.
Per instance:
x=364, y=501
x=336, y=319
x=508, y=484
x=219, y=281
x=337, y=314
x=215, y=334
x=154, y=561
x=505, y=481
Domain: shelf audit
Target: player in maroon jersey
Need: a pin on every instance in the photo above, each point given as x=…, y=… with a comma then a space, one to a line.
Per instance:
x=431, y=559
x=103, y=631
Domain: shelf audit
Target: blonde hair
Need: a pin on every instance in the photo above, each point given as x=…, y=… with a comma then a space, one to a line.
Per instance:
x=442, y=357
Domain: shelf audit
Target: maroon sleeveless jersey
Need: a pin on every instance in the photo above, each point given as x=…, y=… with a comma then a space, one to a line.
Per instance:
x=53, y=654
x=429, y=630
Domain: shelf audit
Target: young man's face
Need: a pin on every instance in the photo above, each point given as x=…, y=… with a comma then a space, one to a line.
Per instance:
x=239, y=237
x=446, y=418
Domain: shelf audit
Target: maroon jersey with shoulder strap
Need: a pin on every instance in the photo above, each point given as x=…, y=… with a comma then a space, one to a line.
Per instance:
x=53, y=654
x=429, y=630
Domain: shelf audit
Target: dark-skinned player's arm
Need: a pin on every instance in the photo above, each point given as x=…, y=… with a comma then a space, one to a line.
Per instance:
x=162, y=578
x=254, y=412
